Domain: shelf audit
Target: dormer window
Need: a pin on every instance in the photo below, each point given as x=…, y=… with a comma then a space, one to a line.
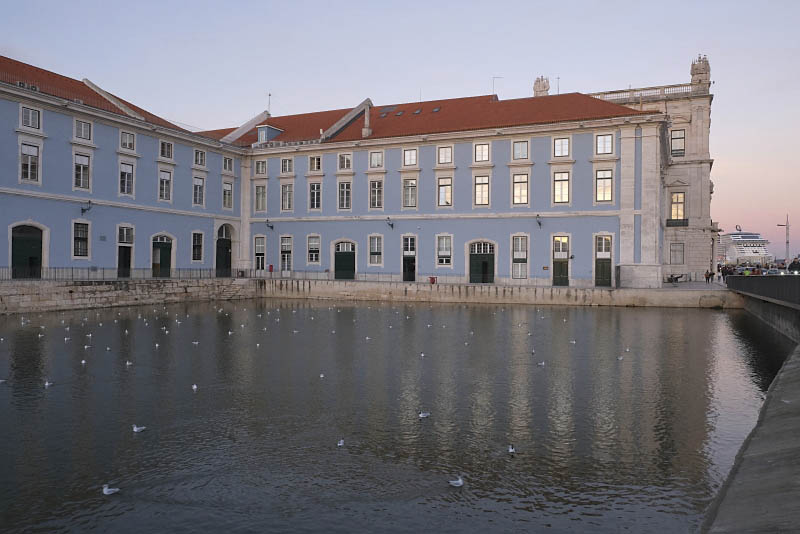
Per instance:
x=262, y=134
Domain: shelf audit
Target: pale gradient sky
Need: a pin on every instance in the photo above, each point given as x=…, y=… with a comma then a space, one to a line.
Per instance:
x=211, y=64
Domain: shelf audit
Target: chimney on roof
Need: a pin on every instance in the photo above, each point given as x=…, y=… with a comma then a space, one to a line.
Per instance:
x=366, y=131
x=541, y=86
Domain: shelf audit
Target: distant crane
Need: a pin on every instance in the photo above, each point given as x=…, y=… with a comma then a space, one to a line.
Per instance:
x=786, y=258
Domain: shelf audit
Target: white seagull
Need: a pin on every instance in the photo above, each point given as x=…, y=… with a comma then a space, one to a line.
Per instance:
x=47, y=383
x=109, y=491
x=511, y=449
x=340, y=443
x=423, y=415
x=83, y=362
x=540, y=364
x=138, y=429
x=194, y=388
x=128, y=363
x=457, y=483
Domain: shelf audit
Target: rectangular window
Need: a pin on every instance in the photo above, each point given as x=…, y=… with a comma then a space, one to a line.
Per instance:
x=375, y=250
x=410, y=193
x=197, y=246
x=445, y=155
x=261, y=198
x=198, y=190
x=227, y=195
x=561, y=187
x=227, y=164
x=81, y=240
x=345, y=162
x=677, y=142
x=604, y=144
x=676, y=253
x=30, y=162
x=81, y=171
x=125, y=235
x=376, y=194
x=315, y=196
x=127, y=141
x=520, y=150
x=286, y=254
x=409, y=245
x=678, y=201
x=164, y=185
x=125, y=179
x=444, y=252
x=313, y=249
x=445, y=191
x=166, y=150
x=481, y=190
x=520, y=189
x=603, y=246
x=30, y=118
x=200, y=158
x=260, y=249
x=83, y=130
x=561, y=147
x=375, y=160
x=519, y=265
x=344, y=195
x=315, y=163
x=482, y=152
x=261, y=167
x=410, y=157
x=603, y=186
x=287, y=165
x=287, y=197
x=561, y=247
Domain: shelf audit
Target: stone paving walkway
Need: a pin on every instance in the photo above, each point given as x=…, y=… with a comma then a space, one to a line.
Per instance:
x=762, y=491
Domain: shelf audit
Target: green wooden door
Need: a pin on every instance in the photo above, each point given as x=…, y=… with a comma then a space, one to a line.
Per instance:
x=26, y=252
x=123, y=262
x=162, y=259
x=481, y=268
x=602, y=272
x=409, y=268
x=560, y=272
x=223, y=258
x=344, y=265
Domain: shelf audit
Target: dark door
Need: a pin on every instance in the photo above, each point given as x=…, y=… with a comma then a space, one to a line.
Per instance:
x=162, y=259
x=223, y=257
x=123, y=262
x=560, y=272
x=409, y=268
x=602, y=272
x=26, y=252
x=344, y=265
x=481, y=268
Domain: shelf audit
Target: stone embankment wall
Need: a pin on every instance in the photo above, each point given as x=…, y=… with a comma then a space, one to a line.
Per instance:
x=28, y=296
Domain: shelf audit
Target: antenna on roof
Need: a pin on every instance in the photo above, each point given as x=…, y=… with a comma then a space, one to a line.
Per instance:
x=493, y=79
x=420, y=94
x=269, y=101
x=558, y=85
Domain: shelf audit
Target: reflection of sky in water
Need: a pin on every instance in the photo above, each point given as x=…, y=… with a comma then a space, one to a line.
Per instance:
x=602, y=444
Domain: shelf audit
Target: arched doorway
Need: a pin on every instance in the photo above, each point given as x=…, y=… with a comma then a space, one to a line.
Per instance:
x=26, y=252
x=162, y=256
x=481, y=262
x=224, y=236
x=344, y=260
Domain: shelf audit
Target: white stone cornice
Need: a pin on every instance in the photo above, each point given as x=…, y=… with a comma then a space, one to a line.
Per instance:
x=448, y=215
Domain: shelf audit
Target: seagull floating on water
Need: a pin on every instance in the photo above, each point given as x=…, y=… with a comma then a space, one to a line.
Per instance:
x=109, y=491
x=83, y=362
x=138, y=429
x=66, y=339
x=423, y=415
x=195, y=342
x=340, y=443
x=194, y=388
x=627, y=349
x=457, y=483
x=511, y=449
x=620, y=358
x=572, y=341
x=128, y=363
x=321, y=375
x=540, y=364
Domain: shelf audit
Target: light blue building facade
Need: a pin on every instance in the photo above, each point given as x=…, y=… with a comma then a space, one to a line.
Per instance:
x=560, y=198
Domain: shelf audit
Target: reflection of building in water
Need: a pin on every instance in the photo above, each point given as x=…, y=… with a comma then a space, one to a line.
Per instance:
x=744, y=247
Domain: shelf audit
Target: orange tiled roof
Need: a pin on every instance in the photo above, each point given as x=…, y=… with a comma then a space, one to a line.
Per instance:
x=216, y=134
x=50, y=83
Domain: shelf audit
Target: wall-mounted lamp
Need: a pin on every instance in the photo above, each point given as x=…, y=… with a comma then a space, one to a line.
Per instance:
x=269, y=224
x=538, y=220
x=87, y=208
x=390, y=223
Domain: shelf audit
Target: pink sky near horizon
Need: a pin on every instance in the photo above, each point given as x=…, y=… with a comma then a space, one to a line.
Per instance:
x=195, y=63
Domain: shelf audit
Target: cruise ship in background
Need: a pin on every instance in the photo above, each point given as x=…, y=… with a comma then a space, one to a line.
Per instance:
x=744, y=247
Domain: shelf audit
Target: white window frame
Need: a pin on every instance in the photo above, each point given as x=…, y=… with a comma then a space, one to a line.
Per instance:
x=319, y=208
x=403, y=179
x=202, y=246
x=376, y=179
x=256, y=185
x=284, y=185
x=132, y=245
x=439, y=186
x=338, y=195
x=344, y=157
x=72, y=255
x=228, y=169
x=126, y=161
x=596, y=200
x=196, y=176
x=124, y=150
x=527, y=255
x=39, y=144
x=558, y=147
x=261, y=167
x=554, y=172
x=527, y=157
x=86, y=154
x=256, y=237
x=439, y=149
x=475, y=146
x=75, y=135
x=597, y=138
x=287, y=166
x=488, y=177
x=199, y=158
x=436, y=251
x=382, y=159
x=38, y=130
x=280, y=252
x=319, y=249
x=568, y=257
x=311, y=159
x=527, y=175
x=233, y=194
x=171, y=184
x=169, y=159
x=595, y=256
x=410, y=157
x=369, y=250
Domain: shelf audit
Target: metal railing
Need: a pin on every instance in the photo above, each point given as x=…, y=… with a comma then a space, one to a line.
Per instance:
x=784, y=288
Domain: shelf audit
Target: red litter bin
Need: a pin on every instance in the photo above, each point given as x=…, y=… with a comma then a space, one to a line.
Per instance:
x=270, y=267
x=432, y=279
